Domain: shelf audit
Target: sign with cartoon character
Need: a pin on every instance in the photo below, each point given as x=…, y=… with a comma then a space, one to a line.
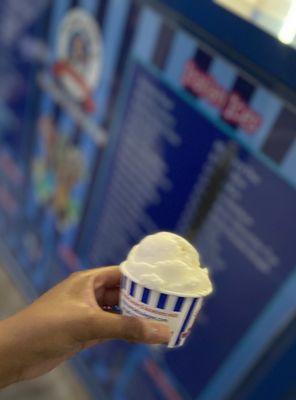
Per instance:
x=79, y=62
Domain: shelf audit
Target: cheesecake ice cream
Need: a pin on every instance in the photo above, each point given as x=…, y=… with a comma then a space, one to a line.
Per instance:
x=168, y=263
x=162, y=279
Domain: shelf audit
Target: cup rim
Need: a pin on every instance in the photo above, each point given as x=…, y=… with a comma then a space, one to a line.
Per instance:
x=168, y=292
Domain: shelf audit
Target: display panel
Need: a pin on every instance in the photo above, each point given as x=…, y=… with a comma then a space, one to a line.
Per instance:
x=22, y=31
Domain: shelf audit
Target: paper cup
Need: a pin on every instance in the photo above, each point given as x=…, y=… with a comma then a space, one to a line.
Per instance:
x=178, y=312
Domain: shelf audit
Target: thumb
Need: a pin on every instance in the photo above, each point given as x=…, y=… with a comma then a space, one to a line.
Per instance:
x=133, y=329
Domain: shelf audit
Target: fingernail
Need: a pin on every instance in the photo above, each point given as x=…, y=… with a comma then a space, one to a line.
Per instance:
x=158, y=333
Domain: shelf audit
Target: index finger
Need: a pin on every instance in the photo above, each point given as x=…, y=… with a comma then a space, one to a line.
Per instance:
x=109, y=276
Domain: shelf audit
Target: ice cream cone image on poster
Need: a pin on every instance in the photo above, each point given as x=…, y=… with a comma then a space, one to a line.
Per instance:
x=162, y=279
x=68, y=174
x=57, y=170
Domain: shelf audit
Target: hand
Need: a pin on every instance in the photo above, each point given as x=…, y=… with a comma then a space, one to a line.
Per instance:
x=70, y=317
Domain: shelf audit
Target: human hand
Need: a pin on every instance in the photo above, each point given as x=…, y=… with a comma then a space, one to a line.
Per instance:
x=71, y=316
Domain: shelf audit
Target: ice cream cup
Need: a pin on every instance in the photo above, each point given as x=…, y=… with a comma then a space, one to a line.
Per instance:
x=179, y=312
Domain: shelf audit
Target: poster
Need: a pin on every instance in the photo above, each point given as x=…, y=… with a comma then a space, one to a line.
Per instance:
x=71, y=132
x=23, y=27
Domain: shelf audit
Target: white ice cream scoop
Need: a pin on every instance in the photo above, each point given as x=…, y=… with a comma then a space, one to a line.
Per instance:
x=168, y=263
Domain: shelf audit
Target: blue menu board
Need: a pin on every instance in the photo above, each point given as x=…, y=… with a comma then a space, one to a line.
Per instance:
x=195, y=149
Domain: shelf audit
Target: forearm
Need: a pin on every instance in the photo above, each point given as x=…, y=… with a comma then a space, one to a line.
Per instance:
x=66, y=319
x=10, y=352
x=29, y=344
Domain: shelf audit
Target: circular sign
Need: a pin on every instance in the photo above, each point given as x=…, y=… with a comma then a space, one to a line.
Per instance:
x=79, y=51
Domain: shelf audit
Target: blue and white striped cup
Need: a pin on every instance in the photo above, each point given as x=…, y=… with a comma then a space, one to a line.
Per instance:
x=179, y=312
